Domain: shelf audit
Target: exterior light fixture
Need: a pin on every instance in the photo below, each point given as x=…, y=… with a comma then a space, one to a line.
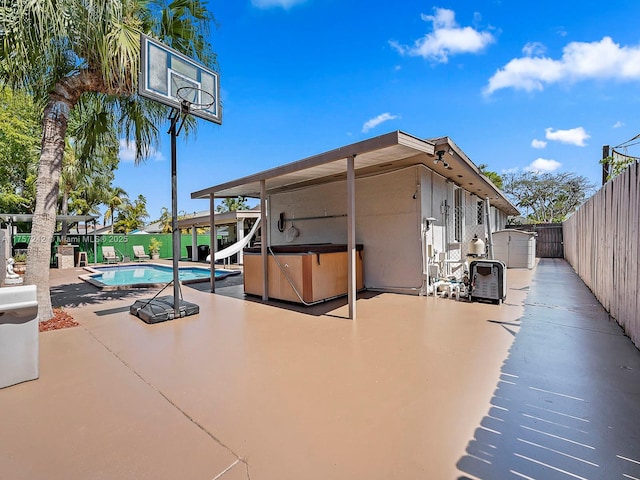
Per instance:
x=439, y=155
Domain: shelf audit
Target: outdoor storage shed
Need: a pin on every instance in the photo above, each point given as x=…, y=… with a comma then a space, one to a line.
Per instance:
x=516, y=248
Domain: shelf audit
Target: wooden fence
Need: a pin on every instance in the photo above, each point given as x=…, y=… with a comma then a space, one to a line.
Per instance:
x=601, y=243
x=549, y=238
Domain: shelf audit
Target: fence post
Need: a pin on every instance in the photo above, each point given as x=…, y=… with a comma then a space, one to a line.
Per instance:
x=605, y=165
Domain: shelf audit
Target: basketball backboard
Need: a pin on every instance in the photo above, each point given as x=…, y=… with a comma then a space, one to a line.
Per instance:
x=164, y=71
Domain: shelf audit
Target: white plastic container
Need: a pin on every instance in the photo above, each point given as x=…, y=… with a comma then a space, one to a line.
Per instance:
x=515, y=248
x=19, y=344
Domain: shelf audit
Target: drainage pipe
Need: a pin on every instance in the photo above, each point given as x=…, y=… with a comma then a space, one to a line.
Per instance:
x=489, y=232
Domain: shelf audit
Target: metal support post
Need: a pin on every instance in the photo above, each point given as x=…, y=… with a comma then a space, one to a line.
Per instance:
x=351, y=235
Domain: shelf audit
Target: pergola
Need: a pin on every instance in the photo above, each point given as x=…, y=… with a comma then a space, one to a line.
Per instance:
x=12, y=218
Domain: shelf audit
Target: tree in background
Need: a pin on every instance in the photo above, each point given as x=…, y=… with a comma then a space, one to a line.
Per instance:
x=116, y=197
x=547, y=197
x=88, y=199
x=83, y=181
x=232, y=204
x=20, y=134
x=131, y=215
x=165, y=220
x=90, y=158
x=87, y=172
x=618, y=162
x=62, y=50
x=493, y=176
x=618, y=159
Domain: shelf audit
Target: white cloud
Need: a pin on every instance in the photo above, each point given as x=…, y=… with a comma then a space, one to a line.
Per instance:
x=375, y=121
x=286, y=4
x=533, y=49
x=127, y=152
x=535, y=143
x=618, y=124
x=447, y=38
x=603, y=60
x=573, y=136
x=542, y=165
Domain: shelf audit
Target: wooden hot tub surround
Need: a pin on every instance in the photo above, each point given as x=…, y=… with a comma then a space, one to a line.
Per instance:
x=318, y=271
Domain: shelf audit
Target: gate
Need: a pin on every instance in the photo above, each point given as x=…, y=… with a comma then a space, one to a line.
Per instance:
x=549, y=241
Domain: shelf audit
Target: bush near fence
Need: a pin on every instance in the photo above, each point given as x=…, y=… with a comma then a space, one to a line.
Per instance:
x=601, y=242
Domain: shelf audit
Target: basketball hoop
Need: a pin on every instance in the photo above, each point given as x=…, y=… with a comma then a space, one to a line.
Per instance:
x=192, y=98
x=187, y=87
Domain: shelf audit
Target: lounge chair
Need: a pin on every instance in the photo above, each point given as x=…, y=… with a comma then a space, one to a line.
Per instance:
x=109, y=255
x=138, y=253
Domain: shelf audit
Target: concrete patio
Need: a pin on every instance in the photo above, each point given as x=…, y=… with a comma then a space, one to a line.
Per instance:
x=544, y=386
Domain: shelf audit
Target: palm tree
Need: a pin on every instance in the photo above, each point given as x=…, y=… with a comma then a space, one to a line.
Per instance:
x=132, y=215
x=232, y=204
x=61, y=51
x=91, y=156
x=115, y=199
x=71, y=176
x=166, y=220
x=495, y=177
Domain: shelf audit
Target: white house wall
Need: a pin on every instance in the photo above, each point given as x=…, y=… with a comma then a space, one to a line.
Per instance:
x=387, y=224
x=391, y=210
x=435, y=190
x=328, y=200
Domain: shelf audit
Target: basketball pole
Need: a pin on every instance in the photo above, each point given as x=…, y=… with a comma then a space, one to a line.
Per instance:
x=179, y=83
x=174, y=130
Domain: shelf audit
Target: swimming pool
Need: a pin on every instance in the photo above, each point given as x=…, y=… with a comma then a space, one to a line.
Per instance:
x=116, y=277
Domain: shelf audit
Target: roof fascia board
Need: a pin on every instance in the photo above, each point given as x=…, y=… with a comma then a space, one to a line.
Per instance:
x=393, y=138
x=446, y=141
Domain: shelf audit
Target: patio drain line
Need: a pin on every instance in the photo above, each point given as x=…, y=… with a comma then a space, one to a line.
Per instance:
x=239, y=459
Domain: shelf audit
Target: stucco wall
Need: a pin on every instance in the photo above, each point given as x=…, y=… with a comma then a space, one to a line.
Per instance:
x=434, y=190
x=390, y=211
x=387, y=224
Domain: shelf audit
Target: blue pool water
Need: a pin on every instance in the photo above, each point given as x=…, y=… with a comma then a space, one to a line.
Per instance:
x=146, y=274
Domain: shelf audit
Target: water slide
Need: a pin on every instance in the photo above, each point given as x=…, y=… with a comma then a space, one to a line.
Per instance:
x=236, y=247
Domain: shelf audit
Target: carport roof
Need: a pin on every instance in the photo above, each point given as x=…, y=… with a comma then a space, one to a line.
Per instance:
x=373, y=156
x=225, y=218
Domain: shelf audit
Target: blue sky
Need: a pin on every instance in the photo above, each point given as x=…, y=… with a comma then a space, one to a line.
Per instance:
x=517, y=85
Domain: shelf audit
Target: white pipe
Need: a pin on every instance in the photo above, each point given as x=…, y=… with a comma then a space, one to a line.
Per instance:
x=417, y=290
x=489, y=232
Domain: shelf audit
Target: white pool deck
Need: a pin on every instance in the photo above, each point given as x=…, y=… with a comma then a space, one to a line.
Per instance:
x=414, y=388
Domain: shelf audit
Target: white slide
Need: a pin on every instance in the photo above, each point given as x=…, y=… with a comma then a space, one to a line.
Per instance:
x=236, y=247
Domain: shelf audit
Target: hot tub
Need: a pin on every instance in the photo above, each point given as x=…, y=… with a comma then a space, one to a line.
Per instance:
x=317, y=271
